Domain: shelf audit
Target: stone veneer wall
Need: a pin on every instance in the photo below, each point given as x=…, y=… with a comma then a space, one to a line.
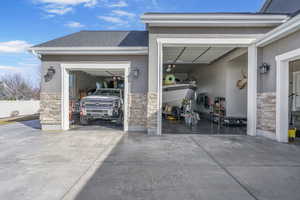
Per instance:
x=266, y=112
x=137, y=118
x=50, y=104
x=152, y=113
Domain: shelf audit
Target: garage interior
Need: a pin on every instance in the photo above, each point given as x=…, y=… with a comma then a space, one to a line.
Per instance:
x=93, y=93
x=204, y=90
x=294, y=101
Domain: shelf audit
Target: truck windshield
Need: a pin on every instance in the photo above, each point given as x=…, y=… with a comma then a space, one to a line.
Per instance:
x=107, y=93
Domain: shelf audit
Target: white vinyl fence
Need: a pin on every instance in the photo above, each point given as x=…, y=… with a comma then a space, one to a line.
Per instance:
x=10, y=108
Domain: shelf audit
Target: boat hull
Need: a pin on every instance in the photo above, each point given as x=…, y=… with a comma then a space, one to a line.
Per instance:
x=173, y=95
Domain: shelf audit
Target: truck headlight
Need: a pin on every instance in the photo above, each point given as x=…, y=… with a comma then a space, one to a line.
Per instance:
x=82, y=111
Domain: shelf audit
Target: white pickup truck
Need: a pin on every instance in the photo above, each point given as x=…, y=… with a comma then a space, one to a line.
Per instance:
x=105, y=103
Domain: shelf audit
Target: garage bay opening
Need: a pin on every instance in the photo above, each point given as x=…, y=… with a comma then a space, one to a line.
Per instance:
x=294, y=101
x=204, y=90
x=96, y=99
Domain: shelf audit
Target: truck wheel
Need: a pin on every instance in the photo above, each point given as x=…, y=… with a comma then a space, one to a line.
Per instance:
x=84, y=121
x=120, y=119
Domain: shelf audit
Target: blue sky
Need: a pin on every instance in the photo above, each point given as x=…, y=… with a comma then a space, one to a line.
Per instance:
x=28, y=22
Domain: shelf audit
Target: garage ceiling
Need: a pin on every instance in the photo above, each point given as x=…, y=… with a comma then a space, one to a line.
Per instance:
x=108, y=72
x=195, y=55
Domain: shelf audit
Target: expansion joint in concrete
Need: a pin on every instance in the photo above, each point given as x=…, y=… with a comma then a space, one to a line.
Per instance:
x=224, y=168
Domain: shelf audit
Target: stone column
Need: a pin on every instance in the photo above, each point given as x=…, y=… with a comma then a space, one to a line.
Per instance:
x=50, y=113
x=266, y=112
x=152, y=116
x=137, y=117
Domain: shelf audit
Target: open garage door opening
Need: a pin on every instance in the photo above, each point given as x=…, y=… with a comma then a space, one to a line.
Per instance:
x=204, y=90
x=96, y=99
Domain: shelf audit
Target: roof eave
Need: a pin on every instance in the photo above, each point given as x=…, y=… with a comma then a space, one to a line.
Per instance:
x=281, y=31
x=89, y=50
x=221, y=20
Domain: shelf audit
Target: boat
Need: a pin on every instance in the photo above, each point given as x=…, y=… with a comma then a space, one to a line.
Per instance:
x=173, y=95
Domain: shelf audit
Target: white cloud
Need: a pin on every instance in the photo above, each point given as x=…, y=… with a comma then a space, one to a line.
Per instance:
x=61, y=7
x=123, y=13
x=48, y=16
x=119, y=4
x=9, y=68
x=74, y=25
x=91, y=3
x=57, y=9
x=116, y=20
x=87, y=3
x=16, y=46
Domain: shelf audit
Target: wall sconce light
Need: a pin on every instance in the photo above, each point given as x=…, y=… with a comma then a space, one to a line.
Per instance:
x=264, y=68
x=135, y=73
x=50, y=73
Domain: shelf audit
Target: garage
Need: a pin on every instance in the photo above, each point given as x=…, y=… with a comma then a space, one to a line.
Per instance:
x=96, y=99
x=95, y=96
x=204, y=90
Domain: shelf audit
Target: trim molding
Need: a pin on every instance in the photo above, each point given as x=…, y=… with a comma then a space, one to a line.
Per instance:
x=213, y=20
x=218, y=41
x=89, y=50
x=281, y=31
x=252, y=91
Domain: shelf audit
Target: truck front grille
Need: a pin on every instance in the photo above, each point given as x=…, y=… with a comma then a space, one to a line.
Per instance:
x=98, y=105
x=97, y=111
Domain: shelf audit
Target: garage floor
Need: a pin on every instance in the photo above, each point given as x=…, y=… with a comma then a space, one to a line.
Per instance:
x=203, y=127
x=97, y=125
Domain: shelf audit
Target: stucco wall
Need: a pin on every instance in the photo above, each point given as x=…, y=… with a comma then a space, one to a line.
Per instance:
x=236, y=99
x=138, y=85
x=211, y=80
x=220, y=78
x=267, y=82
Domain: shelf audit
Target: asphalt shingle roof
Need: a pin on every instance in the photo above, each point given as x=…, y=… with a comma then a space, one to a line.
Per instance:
x=100, y=39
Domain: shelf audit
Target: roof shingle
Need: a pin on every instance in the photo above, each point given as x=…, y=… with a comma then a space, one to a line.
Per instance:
x=100, y=39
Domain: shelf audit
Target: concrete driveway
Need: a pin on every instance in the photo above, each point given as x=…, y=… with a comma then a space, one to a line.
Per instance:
x=79, y=165
x=47, y=165
x=186, y=167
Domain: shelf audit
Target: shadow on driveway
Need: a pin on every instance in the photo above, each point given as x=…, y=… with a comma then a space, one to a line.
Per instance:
x=35, y=124
x=196, y=167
